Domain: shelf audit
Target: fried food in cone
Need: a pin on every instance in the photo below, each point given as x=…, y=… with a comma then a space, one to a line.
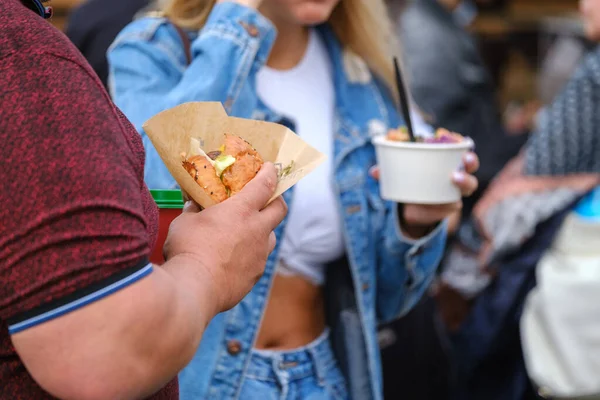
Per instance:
x=205, y=175
x=172, y=132
x=223, y=173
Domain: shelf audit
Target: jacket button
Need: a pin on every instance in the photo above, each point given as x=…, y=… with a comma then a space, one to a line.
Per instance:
x=353, y=209
x=365, y=286
x=251, y=29
x=234, y=347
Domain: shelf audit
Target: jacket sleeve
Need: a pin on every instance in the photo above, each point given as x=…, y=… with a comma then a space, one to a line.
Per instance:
x=405, y=267
x=148, y=71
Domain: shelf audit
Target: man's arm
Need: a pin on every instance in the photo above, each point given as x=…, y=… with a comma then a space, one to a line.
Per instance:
x=89, y=317
x=131, y=343
x=127, y=345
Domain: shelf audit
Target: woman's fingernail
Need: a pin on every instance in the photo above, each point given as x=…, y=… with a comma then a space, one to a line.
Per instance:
x=372, y=170
x=459, y=177
x=470, y=158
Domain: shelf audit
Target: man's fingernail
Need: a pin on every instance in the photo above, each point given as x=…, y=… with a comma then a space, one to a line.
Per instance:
x=459, y=177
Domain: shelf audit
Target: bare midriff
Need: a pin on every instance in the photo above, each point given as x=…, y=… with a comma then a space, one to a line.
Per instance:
x=294, y=316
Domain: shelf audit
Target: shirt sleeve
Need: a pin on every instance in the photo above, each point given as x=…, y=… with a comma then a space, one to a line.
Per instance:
x=73, y=226
x=566, y=138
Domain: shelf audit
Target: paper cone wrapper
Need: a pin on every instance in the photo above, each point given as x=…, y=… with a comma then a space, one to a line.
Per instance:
x=172, y=130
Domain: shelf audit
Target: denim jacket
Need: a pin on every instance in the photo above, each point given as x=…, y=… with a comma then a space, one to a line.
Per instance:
x=386, y=272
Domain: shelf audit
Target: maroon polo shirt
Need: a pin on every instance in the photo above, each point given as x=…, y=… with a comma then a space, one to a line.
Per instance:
x=76, y=220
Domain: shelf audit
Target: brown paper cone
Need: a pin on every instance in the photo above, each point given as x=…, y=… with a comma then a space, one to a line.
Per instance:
x=171, y=132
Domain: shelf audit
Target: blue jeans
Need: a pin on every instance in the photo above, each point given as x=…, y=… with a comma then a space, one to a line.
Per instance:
x=306, y=373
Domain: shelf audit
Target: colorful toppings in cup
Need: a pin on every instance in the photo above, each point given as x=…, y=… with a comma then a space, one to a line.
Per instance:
x=441, y=136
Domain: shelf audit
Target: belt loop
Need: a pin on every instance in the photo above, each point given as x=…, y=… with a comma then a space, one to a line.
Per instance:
x=318, y=364
x=281, y=375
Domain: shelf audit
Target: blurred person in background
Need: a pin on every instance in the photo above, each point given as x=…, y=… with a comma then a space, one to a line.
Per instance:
x=93, y=25
x=348, y=259
x=560, y=327
x=451, y=84
x=453, y=89
x=535, y=236
x=83, y=313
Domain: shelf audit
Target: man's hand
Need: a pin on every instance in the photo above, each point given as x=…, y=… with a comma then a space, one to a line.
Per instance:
x=231, y=240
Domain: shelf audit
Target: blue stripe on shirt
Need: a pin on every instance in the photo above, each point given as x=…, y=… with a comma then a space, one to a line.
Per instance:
x=79, y=303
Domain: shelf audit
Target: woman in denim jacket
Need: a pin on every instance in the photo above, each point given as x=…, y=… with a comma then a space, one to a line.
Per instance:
x=348, y=260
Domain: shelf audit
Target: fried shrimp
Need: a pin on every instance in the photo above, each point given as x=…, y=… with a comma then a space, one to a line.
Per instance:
x=223, y=173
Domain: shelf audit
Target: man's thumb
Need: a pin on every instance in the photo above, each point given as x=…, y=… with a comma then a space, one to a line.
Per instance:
x=261, y=188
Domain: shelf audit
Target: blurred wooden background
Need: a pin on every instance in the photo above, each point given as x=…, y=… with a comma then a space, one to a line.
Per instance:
x=514, y=35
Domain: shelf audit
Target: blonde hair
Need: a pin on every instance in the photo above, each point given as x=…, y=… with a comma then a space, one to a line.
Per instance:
x=362, y=26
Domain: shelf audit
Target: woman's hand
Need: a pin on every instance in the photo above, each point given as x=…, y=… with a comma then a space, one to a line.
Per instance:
x=420, y=219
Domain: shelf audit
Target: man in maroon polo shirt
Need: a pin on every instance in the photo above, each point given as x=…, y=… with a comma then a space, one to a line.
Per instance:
x=83, y=314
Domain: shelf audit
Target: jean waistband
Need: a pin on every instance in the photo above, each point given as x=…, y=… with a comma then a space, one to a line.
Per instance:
x=316, y=358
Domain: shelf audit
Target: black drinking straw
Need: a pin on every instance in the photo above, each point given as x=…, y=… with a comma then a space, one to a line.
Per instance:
x=403, y=101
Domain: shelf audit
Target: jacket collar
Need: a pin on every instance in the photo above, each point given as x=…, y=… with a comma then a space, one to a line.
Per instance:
x=38, y=7
x=356, y=86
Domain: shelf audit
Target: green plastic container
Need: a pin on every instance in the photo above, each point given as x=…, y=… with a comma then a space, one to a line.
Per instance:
x=167, y=198
x=170, y=204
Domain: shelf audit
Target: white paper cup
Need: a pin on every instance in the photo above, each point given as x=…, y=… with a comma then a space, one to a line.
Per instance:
x=419, y=173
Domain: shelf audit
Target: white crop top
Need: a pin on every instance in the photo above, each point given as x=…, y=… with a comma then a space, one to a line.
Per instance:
x=305, y=94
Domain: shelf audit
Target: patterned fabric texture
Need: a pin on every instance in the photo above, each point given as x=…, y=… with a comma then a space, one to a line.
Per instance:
x=559, y=165
x=505, y=218
x=75, y=210
x=568, y=138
